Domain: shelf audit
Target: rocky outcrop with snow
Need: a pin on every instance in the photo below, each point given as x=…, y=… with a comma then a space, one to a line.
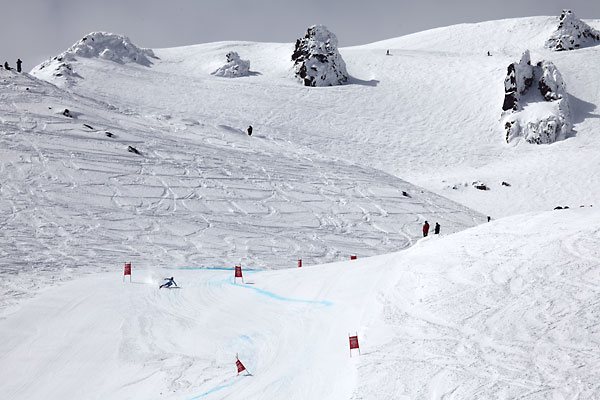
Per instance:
x=234, y=68
x=317, y=61
x=536, y=106
x=572, y=33
x=108, y=46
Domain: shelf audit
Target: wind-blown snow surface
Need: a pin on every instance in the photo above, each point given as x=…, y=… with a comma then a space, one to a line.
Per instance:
x=504, y=310
x=200, y=193
x=428, y=113
x=320, y=179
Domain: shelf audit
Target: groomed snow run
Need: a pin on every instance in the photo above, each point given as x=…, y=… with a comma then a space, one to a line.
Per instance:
x=505, y=310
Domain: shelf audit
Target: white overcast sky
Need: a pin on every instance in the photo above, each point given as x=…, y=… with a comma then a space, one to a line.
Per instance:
x=35, y=30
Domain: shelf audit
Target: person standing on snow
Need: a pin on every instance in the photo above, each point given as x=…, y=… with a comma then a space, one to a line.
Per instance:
x=19, y=62
x=436, y=230
x=425, y=228
x=169, y=282
x=250, y=130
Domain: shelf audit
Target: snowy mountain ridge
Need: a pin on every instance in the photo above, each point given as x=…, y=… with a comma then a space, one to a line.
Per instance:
x=104, y=45
x=152, y=165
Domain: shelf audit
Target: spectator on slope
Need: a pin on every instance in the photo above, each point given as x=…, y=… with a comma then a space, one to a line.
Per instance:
x=169, y=282
x=6, y=67
x=436, y=230
x=425, y=229
x=19, y=62
x=387, y=53
x=250, y=130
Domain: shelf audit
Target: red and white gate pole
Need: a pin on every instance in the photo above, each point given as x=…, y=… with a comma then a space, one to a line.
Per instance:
x=239, y=365
x=238, y=273
x=127, y=271
x=354, y=343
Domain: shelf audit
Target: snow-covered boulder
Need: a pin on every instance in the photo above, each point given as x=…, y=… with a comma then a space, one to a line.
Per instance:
x=536, y=105
x=234, y=68
x=317, y=61
x=572, y=33
x=108, y=46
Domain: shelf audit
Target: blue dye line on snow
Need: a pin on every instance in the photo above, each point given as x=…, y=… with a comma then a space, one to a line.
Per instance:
x=216, y=389
x=281, y=298
x=217, y=269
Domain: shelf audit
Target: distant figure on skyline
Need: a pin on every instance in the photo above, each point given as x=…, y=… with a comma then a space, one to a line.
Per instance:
x=250, y=130
x=19, y=62
x=6, y=67
x=425, y=229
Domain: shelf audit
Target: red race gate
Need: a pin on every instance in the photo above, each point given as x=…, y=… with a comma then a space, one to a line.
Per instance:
x=238, y=273
x=354, y=343
x=127, y=271
x=299, y=263
x=239, y=365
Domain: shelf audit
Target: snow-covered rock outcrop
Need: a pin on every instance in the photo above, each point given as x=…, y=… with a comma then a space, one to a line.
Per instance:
x=536, y=105
x=234, y=68
x=108, y=46
x=317, y=61
x=572, y=33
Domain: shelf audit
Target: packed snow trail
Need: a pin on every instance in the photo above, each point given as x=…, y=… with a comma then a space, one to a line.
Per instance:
x=132, y=340
x=504, y=310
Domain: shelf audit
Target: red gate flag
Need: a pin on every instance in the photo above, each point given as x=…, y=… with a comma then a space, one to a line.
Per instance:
x=299, y=263
x=353, y=257
x=238, y=364
x=353, y=343
x=127, y=269
x=238, y=271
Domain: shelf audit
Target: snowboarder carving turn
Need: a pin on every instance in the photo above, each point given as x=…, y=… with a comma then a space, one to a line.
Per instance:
x=169, y=282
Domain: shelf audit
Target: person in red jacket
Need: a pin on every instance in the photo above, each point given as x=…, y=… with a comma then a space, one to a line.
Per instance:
x=425, y=228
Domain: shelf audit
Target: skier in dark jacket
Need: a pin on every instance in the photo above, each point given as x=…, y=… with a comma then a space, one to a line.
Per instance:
x=425, y=228
x=436, y=230
x=169, y=282
x=19, y=62
x=250, y=130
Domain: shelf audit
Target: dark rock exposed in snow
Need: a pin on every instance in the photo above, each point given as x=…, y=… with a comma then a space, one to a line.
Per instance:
x=536, y=103
x=317, y=61
x=234, y=68
x=480, y=185
x=572, y=33
x=517, y=81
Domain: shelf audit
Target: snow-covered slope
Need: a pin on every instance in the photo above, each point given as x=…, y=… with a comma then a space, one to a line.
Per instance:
x=504, y=310
x=428, y=113
x=152, y=165
x=201, y=192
